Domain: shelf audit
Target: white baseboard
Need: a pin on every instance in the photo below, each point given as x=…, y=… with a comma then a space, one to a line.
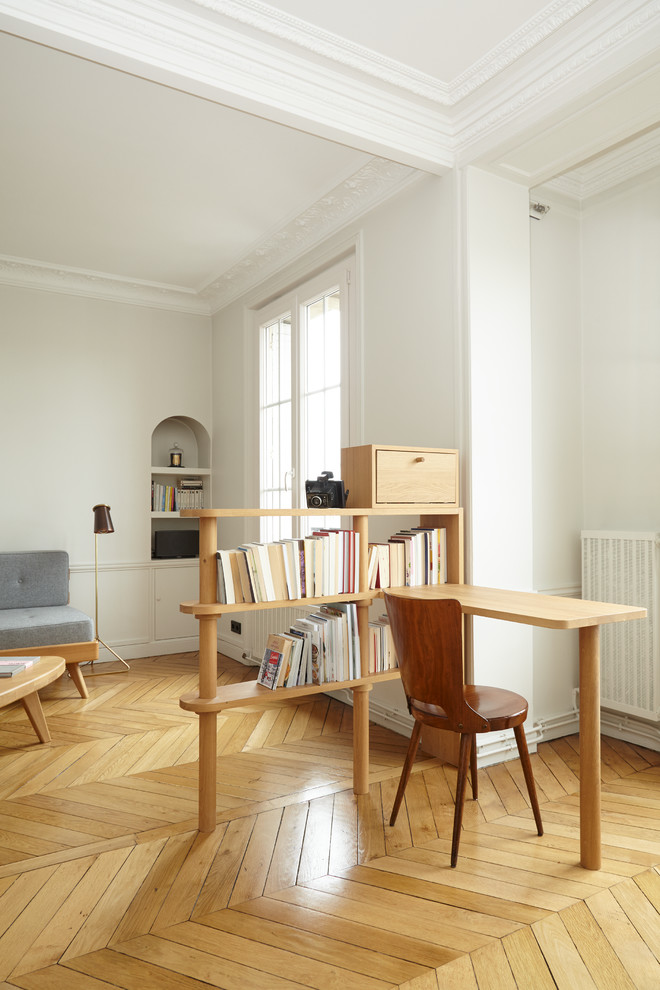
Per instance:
x=631, y=729
x=157, y=648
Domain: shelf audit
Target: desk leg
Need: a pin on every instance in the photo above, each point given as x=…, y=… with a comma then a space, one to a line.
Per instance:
x=361, y=738
x=590, y=852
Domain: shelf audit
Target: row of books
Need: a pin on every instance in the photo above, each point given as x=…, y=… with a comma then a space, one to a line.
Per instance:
x=382, y=655
x=14, y=665
x=172, y=498
x=322, y=564
x=410, y=558
x=324, y=647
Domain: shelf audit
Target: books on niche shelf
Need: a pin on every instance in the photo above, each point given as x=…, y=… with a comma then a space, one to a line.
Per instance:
x=14, y=665
x=324, y=647
x=322, y=564
x=188, y=493
x=410, y=557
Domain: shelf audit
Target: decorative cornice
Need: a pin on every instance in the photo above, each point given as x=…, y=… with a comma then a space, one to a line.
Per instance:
x=80, y=282
x=286, y=27
x=205, y=57
x=228, y=50
x=348, y=201
x=586, y=53
x=606, y=173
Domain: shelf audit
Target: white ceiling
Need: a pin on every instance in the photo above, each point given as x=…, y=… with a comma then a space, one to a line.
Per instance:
x=174, y=150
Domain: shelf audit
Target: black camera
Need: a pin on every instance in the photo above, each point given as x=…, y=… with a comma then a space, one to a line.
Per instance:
x=325, y=493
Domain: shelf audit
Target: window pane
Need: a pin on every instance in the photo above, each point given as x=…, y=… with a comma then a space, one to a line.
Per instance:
x=285, y=359
x=332, y=342
x=315, y=345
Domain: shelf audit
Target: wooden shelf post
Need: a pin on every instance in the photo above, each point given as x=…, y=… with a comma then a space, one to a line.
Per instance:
x=208, y=673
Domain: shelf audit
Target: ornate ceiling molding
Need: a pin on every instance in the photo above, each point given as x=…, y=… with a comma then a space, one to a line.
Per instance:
x=248, y=55
x=203, y=56
x=607, y=173
x=286, y=27
x=79, y=282
x=582, y=61
x=346, y=203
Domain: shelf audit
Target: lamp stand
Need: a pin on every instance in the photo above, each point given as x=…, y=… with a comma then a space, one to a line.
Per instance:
x=96, y=614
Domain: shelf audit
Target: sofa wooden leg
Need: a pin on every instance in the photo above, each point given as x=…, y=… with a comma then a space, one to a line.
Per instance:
x=76, y=676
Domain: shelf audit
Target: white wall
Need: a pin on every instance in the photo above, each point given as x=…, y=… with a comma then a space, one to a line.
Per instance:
x=557, y=444
x=84, y=382
x=621, y=266
x=498, y=359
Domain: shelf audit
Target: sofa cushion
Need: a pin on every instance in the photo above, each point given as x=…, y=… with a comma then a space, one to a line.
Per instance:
x=34, y=578
x=25, y=628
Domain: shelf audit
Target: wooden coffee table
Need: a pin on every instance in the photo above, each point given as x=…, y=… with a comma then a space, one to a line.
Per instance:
x=25, y=687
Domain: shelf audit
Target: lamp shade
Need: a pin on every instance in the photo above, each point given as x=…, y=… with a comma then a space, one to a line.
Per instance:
x=102, y=520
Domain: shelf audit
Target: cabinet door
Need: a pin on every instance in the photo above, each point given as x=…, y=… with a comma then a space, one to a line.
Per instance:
x=173, y=585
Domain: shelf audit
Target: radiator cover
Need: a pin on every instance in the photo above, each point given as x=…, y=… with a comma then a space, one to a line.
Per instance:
x=622, y=567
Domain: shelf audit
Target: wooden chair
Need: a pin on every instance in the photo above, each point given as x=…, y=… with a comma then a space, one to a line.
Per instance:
x=428, y=636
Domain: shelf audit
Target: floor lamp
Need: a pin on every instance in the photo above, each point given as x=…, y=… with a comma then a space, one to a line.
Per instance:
x=102, y=524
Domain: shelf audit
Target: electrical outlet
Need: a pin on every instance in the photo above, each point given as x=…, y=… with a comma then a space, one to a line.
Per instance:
x=235, y=627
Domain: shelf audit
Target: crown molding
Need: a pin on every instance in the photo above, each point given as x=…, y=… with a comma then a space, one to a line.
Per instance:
x=201, y=55
x=611, y=171
x=249, y=56
x=346, y=203
x=309, y=37
x=611, y=40
x=26, y=273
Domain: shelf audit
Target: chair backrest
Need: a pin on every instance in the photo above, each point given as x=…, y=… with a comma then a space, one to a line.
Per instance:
x=428, y=636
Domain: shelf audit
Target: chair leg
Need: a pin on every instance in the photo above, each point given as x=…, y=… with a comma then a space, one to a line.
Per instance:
x=473, y=768
x=407, y=766
x=521, y=741
x=463, y=759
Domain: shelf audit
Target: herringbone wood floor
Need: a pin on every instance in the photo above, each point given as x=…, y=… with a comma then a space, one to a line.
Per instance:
x=105, y=882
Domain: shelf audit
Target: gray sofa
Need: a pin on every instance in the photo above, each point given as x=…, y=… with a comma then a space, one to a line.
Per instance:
x=35, y=615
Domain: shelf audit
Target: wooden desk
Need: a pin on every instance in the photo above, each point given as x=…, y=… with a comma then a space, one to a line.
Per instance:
x=555, y=612
x=25, y=686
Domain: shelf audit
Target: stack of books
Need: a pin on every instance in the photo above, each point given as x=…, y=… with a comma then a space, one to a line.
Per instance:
x=190, y=493
x=14, y=665
x=319, y=565
x=163, y=498
x=324, y=647
x=410, y=558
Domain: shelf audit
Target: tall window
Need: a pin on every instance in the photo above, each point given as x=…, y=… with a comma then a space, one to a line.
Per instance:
x=305, y=366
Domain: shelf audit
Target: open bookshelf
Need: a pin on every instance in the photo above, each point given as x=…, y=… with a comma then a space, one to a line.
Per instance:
x=211, y=699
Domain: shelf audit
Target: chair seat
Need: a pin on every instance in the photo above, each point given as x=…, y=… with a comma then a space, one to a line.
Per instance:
x=500, y=709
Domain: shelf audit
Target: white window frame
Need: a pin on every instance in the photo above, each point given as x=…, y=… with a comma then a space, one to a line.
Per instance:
x=342, y=275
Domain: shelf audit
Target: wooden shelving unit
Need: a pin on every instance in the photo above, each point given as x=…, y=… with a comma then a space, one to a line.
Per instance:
x=210, y=699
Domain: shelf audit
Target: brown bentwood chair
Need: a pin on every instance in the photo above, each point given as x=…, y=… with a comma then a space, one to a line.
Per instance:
x=428, y=636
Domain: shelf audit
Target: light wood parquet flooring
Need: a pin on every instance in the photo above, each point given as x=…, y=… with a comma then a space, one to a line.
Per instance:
x=106, y=883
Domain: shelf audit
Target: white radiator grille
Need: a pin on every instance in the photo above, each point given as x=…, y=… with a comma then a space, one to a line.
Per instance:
x=623, y=568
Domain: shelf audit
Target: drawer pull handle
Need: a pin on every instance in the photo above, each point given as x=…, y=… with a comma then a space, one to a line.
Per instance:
x=419, y=460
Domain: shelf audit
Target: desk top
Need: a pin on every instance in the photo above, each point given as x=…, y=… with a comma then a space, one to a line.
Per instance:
x=550, y=611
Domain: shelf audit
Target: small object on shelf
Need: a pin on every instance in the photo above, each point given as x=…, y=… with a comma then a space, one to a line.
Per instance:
x=176, y=455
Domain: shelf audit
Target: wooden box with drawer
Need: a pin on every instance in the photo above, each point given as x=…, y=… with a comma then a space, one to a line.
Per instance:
x=379, y=476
